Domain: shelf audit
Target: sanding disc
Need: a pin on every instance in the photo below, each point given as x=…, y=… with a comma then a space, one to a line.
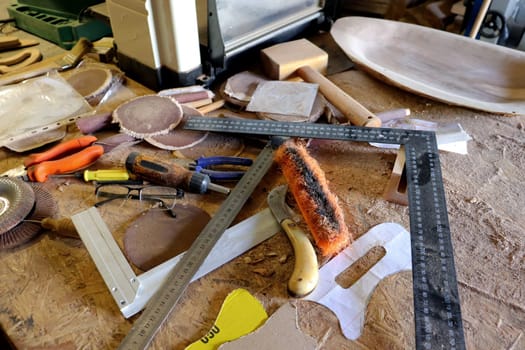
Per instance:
x=148, y=115
x=92, y=82
x=239, y=88
x=44, y=207
x=213, y=145
x=179, y=138
x=318, y=109
x=157, y=236
x=16, y=202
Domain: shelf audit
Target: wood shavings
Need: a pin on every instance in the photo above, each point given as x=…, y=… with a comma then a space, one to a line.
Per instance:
x=263, y=272
x=283, y=259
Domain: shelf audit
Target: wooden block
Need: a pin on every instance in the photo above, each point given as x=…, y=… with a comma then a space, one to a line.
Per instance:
x=281, y=61
x=9, y=42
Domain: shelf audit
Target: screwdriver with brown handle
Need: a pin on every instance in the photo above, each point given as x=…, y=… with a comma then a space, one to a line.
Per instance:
x=170, y=174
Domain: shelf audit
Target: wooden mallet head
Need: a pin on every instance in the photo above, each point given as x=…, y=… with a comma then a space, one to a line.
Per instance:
x=281, y=61
x=304, y=59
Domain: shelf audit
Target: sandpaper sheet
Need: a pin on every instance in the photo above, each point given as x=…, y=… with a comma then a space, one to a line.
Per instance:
x=283, y=97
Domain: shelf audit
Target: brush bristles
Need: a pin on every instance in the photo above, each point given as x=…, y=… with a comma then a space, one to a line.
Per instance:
x=318, y=205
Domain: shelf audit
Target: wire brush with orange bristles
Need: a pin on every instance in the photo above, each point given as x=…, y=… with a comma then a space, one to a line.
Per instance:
x=318, y=205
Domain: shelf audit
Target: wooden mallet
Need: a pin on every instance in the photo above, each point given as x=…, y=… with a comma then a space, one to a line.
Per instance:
x=304, y=59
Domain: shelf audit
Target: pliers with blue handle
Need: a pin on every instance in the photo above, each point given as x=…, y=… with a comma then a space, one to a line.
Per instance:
x=205, y=165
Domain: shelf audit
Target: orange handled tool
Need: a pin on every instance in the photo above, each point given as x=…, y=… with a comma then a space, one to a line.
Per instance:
x=40, y=172
x=59, y=150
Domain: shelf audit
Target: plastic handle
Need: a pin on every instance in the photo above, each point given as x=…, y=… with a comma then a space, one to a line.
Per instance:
x=60, y=149
x=305, y=275
x=356, y=113
x=40, y=172
x=106, y=175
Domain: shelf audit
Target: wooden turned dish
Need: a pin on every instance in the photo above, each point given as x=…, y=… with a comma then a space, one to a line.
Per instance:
x=447, y=67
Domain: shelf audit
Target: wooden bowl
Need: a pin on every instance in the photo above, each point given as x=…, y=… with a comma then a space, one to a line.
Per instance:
x=447, y=67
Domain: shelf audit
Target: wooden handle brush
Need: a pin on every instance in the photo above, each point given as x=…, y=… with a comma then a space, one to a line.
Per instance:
x=318, y=205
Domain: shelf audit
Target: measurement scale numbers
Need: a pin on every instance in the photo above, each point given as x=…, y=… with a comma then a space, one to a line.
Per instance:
x=437, y=313
x=163, y=302
x=436, y=300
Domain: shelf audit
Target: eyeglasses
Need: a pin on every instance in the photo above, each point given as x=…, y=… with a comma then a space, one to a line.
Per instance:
x=164, y=197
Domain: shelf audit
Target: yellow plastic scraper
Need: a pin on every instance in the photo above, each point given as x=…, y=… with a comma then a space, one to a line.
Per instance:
x=240, y=314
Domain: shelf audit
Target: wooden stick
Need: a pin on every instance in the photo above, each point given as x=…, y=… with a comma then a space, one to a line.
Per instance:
x=211, y=107
x=479, y=18
x=356, y=113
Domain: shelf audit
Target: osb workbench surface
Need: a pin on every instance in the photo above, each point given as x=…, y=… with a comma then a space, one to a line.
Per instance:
x=53, y=297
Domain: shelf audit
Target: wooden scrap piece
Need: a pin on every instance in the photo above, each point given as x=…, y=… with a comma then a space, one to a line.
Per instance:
x=8, y=43
x=279, y=332
x=20, y=60
x=148, y=115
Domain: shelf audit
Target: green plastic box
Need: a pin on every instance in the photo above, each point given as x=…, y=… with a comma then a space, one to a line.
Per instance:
x=65, y=8
x=63, y=30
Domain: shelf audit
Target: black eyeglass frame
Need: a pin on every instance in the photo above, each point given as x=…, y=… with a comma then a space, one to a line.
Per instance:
x=139, y=188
